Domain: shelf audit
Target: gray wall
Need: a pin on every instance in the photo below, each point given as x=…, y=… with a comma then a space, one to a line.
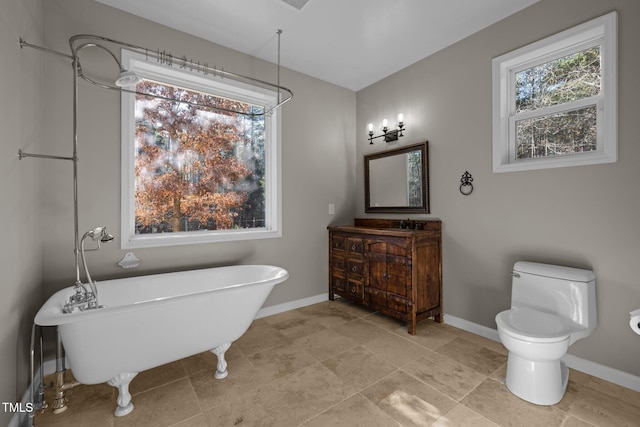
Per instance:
x=318, y=161
x=20, y=183
x=585, y=216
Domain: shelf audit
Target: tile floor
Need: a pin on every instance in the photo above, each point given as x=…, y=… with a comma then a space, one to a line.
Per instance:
x=336, y=364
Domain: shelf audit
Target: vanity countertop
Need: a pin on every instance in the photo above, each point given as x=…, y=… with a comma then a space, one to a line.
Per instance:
x=391, y=227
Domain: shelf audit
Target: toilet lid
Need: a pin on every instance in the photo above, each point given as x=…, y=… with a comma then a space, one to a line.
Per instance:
x=533, y=326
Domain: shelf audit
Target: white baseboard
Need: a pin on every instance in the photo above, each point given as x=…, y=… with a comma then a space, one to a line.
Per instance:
x=291, y=305
x=615, y=376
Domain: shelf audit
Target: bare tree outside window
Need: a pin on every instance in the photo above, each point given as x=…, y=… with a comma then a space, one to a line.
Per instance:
x=566, y=80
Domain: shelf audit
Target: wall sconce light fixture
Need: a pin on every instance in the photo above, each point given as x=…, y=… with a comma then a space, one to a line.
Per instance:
x=388, y=134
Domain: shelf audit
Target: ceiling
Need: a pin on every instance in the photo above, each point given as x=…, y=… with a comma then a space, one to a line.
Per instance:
x=350, y=43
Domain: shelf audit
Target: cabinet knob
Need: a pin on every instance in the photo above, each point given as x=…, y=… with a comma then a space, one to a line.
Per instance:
x=353, y=289
x=354, y=269
x=353, y=247
x=385, y=276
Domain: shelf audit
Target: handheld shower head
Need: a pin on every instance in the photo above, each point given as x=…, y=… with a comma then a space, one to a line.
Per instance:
x=99, y=234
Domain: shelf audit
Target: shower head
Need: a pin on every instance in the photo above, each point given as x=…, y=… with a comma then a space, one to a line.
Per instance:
x=127, y=78
x=106, y=237
x=99, y=233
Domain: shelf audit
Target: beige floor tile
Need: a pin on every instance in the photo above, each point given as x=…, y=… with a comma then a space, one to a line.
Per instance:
x=259, y=337
x=359, y=367
x=280, y=361
x=197, y=421
x=336, y=363
x=330, y=314
x=360, y=331
x=301, y=396
x=384, y=321
x=572, y=421
x=356, y=411
x=461, y=416
x=324, y=344
x=347, y=306
x=473, y=355
x=500, y=374
x=243, y=378
x=598, y=407
x=157, y=377
x=299, y=326
x=581, y=378
x=445, y=375
x=243, y=410
x=396, y=349
x=494, y=401
x=206, y=362
x=407, y=400
x=477, y=339
x=619, y=392
x=429, y=334
x=162, y=406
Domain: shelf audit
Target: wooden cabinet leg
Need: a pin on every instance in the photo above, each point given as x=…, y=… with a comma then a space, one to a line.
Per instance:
x=411, y=327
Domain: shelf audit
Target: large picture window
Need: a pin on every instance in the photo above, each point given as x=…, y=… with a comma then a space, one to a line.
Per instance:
x=193, y=174
x=554, y=101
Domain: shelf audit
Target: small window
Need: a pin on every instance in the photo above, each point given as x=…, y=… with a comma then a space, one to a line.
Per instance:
x=554, y=101
x=193, y=174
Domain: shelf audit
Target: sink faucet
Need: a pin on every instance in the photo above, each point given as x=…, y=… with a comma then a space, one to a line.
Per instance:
x=86, y=299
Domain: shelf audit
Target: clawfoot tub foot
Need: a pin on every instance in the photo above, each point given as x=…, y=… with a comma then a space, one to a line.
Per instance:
x=219, y=351
x=124, y=397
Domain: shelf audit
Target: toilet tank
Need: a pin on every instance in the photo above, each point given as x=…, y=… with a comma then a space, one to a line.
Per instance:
x=563, y=291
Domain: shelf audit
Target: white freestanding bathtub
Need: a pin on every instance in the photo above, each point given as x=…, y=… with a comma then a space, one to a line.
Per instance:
x=152, y=320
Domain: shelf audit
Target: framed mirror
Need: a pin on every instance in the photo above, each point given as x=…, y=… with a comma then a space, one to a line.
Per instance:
x=397, y=180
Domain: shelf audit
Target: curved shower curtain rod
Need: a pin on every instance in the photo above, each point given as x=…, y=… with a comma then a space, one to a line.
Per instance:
x=79, y=42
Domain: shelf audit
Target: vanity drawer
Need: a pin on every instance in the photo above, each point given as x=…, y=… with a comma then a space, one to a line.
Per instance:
x=337, y=262
x=338, y=242
x=338, y=283
x=355, y=266
x=354, y=288
x=355, y=245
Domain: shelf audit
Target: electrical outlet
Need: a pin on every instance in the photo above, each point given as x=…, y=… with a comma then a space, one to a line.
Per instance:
x=332, y=209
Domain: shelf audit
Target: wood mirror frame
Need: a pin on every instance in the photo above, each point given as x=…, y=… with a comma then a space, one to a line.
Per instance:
x=389, y=188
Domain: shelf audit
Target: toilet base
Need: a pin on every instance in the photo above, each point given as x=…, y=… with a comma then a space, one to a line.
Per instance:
x=542, y=383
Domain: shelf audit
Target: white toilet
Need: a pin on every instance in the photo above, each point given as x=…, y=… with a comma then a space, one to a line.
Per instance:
x=551, y=308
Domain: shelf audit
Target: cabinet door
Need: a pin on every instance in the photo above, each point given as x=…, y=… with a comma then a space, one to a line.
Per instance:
x=389, y=281
x=398, y=275
x=377, y=271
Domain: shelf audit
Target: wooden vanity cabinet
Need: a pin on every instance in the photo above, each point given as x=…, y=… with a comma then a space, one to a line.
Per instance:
x=394, y=270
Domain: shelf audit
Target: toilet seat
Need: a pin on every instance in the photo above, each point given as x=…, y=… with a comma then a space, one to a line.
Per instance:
x=533, y=326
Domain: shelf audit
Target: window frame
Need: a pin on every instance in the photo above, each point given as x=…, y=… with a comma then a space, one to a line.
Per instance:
x=600, y=32
x=218, y=87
